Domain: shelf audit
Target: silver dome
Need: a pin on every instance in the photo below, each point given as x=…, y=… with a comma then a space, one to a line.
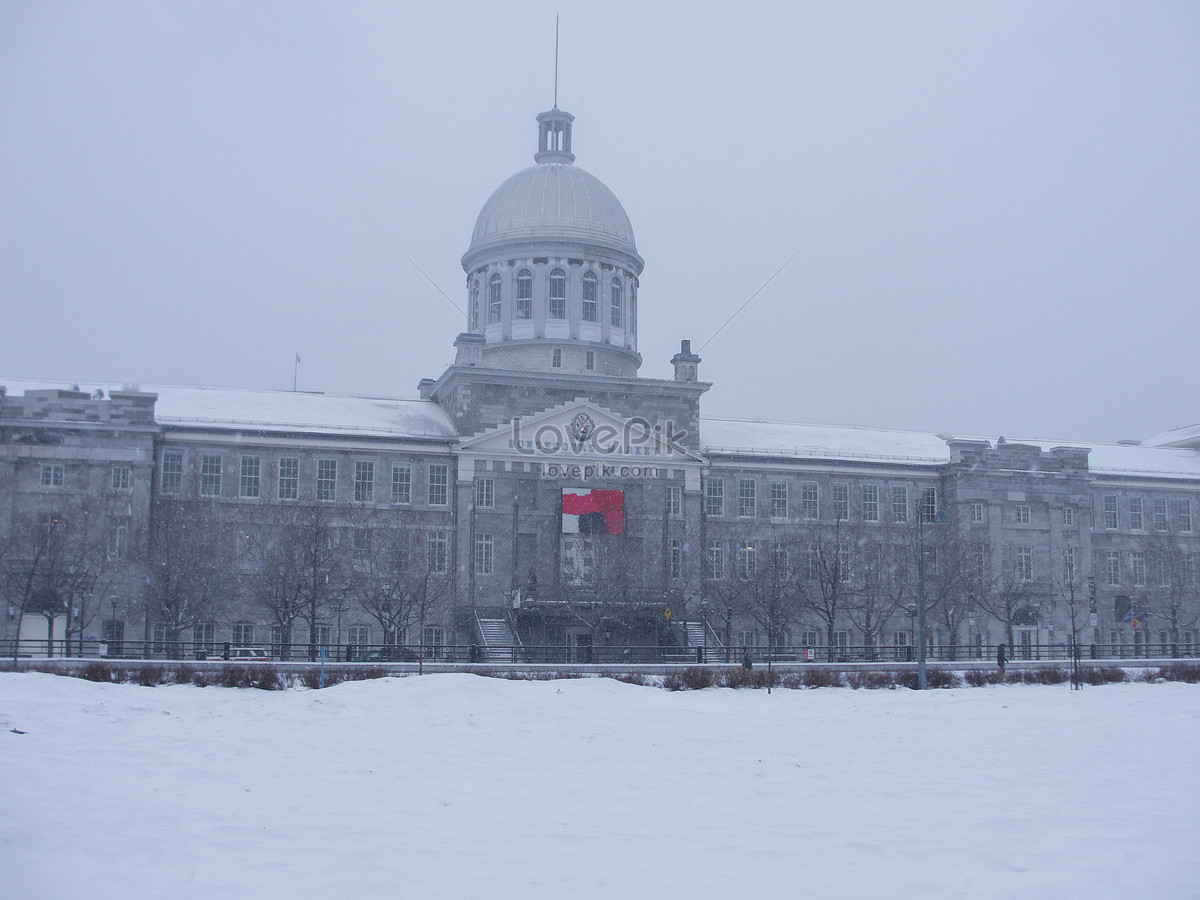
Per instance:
x=553, y=201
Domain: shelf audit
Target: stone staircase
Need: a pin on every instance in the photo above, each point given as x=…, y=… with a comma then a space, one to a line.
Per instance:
x=496, y=640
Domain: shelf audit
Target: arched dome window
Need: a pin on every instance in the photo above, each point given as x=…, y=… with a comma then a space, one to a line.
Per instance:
x=558, y=295
x=618, y=303
x=494, y=299
x=591, y=296
x=524, y=307
x=474, y=311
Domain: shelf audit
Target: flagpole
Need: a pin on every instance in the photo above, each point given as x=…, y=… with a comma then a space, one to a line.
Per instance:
x=295, y=371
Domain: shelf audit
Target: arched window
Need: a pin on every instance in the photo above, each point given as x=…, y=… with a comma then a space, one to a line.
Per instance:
x=474, y=310
x=618, y=303
x=524, y=308
x=494, y=300
x=558, y=295
x=591, y=296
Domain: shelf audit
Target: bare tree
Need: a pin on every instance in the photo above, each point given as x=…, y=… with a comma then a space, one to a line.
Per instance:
x=188, y=566
x=827, y=583
x=1171, y=594
x=885, y=585
x=955, y=578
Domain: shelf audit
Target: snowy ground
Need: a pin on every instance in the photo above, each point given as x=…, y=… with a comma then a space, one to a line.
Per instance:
x=460, y=786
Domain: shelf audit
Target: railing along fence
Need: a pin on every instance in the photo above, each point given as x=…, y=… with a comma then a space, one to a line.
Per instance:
x=600, y=655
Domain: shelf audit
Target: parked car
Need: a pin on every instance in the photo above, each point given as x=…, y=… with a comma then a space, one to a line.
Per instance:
x=393, y=653
x=243, y=654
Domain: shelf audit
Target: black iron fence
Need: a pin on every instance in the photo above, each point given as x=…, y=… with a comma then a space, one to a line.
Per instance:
x=574, y=654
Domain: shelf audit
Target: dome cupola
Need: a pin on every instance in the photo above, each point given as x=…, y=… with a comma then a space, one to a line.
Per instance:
x=552, y=269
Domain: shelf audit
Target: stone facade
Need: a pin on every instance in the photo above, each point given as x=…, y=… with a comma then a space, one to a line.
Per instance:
x=542, y=495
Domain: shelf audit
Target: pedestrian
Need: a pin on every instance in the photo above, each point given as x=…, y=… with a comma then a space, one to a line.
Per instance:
x=746, y=663
x=1001, y=658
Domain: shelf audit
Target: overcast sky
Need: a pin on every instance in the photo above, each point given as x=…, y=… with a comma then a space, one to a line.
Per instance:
x=996, y=206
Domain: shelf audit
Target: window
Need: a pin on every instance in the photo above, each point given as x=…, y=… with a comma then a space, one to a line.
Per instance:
x=747, y=554
x=1185, y=515
x=556, y=359
x=1024, y=564
x=618, y=304
x=494, y=300
x=204, y=636
x=590, y=360
x=1139, y=568
x=281, y=636
x=524, y=306
x=812, y=562
x=870, y=493
x=358, y=635
x=438, y=552
x=210, y=475
x=810, y=500
x=172, y=472
x=289, y=478
x=433, y=641
x=1160, y=513
x=1068, y=516
x=674, y=501
x=714, y=497
x=242, y=634
x=158, y=637
x=929, y=505
x=558, y=295
x=1187, y=570
x=1112, y=567
x=779, y=500
x=248, y=482
x=485, y=549
x=485, y=492
x=120, y=478
x=716, y=560
x=676, y=561
x=899, y=503
x=841, y=502
x=52, y=476
x=591, y=298
x=402, y=483
x=439, y=484
x=1110, y=512
x=475, y=318
x=320, y=635
x=118, y=540
x=1070, y=565
x=1024, y=514
x=1135, y=514
x=364, y=481
x=747, y=497
x=326, y=479
x=744, y=639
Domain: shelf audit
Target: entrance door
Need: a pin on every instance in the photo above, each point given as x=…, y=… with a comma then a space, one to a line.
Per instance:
x=582, y=647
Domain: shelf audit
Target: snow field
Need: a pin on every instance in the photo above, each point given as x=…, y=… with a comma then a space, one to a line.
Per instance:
x=461, y=786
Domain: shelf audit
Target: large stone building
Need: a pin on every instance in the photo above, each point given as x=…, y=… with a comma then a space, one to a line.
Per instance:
x=542, y=499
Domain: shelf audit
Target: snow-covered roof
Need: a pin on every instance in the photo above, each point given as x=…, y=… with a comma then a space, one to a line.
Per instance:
x=278, y=411
x=846, y=442
x=780, y=439
x=1188, y=435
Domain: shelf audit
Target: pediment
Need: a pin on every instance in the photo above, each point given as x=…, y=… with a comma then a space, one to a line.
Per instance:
x=581, y=430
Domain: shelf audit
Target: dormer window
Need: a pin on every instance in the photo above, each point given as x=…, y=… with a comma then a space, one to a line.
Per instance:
x=591, y=296
x=618, y=303
x=524, y=307
x=494, y=300
x=558, y=295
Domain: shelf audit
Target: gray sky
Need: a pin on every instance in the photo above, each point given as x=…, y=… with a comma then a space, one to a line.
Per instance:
x=996, y=206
